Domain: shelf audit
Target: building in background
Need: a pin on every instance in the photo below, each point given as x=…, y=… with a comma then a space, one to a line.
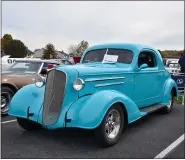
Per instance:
x=38, y=53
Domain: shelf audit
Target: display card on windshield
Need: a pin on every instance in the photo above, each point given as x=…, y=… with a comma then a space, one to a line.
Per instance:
x=110, y=58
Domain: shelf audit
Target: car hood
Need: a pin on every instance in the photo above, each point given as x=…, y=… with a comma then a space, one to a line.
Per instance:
x=98, y=68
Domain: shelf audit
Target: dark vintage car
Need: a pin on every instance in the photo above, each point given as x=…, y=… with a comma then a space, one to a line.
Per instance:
x=22, y=73
x=180, y=80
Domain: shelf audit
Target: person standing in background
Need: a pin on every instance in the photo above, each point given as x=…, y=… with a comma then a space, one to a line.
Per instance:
x=182, y=62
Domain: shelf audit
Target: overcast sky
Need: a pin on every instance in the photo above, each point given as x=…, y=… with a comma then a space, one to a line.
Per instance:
x=160, y=24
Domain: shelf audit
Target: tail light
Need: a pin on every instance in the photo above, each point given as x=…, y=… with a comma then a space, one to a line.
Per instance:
x=50, y=66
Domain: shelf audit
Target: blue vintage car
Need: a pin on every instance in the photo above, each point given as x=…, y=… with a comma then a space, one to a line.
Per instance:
x=112, y=86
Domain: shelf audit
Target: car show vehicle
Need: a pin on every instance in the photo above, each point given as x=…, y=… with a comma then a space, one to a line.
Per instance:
x=112, y=86
x=21, y=73
x=173, y=67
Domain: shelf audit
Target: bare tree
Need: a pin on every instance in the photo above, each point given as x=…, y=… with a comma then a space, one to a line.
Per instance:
x=77, y=50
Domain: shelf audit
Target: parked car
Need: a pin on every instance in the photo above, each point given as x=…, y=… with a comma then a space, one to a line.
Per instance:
x=21, y=73
x=171, y=60
x=180, y=80
x=65, y=61
x=173, y=67
x=112, y=86
x=6, y=61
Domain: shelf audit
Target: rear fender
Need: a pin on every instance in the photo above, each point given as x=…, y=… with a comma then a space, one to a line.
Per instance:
x=169, y=85
x=89, y=111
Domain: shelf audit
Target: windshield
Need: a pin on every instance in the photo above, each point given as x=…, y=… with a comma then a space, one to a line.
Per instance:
x=25, y=67
x=123, y=55
x=173, y=65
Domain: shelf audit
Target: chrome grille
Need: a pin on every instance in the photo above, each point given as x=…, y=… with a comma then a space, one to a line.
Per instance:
x=53, y=96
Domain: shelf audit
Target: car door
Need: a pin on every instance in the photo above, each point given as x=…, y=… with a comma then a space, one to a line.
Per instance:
x=147, y=80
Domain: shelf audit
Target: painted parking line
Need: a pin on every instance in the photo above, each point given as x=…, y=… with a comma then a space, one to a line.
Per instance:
x=170, y=147
x=9, y=121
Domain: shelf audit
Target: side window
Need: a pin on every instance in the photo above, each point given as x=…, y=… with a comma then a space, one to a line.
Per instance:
x=45, y=65
x=147, y=58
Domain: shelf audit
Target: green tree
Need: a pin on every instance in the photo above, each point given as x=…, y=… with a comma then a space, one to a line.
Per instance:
x=7, y=38
x=49, y=52
x=16, y=49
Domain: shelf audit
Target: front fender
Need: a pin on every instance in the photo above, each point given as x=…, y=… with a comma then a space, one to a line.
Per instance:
x=28, y=96
x=169, y=85
x=89, y=111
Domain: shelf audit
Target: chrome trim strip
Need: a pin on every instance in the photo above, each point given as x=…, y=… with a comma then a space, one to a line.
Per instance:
x=108, y=84
x=40, y=68
x=130, y=72
x=102, y=79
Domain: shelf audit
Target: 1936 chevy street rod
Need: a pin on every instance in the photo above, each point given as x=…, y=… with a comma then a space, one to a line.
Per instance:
x=112, y=86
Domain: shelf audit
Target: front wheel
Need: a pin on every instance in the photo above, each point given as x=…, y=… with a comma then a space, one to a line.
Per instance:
x=109, y=131
x=28, y=124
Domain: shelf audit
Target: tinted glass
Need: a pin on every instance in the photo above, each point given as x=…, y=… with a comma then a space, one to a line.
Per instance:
x=94, y=56
x=124, y=56
x=147, y=58
x=25, y=67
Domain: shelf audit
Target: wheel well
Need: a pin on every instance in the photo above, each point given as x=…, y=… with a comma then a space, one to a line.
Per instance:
x=174, y=92
x=124, y=111
x=10, y=86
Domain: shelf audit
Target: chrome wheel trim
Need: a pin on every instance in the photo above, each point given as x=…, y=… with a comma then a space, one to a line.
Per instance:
x=7, y=96
x=113, y=124
x=3, y=101
x=170, y=102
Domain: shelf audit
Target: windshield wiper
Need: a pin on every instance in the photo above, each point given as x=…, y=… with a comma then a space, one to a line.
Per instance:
x=89, y=61
x=109, y=62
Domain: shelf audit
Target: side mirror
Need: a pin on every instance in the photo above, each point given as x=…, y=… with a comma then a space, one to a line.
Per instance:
x=143, y=66
x=43, y=71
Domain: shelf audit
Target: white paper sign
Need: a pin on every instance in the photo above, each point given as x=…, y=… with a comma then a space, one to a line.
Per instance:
x=110, y=58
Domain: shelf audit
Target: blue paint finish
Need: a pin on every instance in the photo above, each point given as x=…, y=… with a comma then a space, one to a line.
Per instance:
x=94, y=109
x=86, y=108
x=70, y=97
x=169, y=84
x=28, y=96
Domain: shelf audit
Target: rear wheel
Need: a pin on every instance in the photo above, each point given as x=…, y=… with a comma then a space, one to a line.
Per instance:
x=168, y=108
x=28, y=124
x=109, y=131
x=6, y=95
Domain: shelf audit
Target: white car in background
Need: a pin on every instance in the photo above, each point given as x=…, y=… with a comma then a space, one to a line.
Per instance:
x=173, y=67
x=6, y=62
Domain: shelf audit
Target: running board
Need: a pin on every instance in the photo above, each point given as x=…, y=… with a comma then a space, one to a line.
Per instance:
x=152, y=108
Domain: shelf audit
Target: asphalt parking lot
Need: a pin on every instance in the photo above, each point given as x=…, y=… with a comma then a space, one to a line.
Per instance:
x=145, y=138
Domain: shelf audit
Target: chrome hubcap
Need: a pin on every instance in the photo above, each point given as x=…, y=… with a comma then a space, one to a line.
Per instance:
x=3, y=101
x=170, y=102
x=112, y=125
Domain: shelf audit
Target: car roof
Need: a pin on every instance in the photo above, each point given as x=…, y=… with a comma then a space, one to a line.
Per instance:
x=131, y=46
x=37, y=60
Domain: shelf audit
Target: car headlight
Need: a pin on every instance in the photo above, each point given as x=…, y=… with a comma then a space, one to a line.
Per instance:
x=78, y=84
x=40, y=81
